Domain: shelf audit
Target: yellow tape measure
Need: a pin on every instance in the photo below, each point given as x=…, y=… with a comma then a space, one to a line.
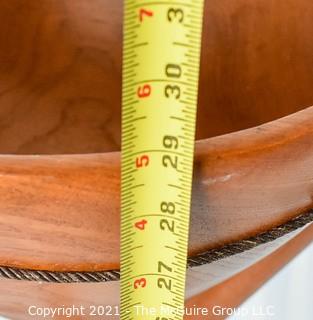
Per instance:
x=162, y=41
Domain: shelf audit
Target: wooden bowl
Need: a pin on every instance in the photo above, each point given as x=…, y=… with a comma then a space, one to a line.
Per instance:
x=60, y=84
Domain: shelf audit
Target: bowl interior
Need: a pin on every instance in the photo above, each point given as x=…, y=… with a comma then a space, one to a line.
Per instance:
x=60, y=71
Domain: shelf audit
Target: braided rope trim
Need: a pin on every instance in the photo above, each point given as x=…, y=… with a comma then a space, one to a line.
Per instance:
x=200, y=259
x=252, y=242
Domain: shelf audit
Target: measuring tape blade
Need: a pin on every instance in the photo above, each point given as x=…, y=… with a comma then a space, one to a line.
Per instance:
x=162, y=42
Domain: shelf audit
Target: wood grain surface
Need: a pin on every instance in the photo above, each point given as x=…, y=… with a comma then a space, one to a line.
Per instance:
x=60, y=84
x=17, y=296
x=60, y=70
x=62, y=212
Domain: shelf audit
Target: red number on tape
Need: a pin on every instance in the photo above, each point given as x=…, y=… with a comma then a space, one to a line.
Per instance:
x=144, y=12
x=144, y=92
x=140, y=283
x=141, y=224
x=142, y=161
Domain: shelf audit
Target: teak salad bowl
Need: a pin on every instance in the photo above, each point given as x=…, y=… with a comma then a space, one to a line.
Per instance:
x=60, y=113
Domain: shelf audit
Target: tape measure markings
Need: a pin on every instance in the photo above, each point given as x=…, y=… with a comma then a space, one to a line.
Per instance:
x=160, y=74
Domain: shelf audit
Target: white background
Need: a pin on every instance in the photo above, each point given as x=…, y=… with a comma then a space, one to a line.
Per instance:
x=290, y=292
